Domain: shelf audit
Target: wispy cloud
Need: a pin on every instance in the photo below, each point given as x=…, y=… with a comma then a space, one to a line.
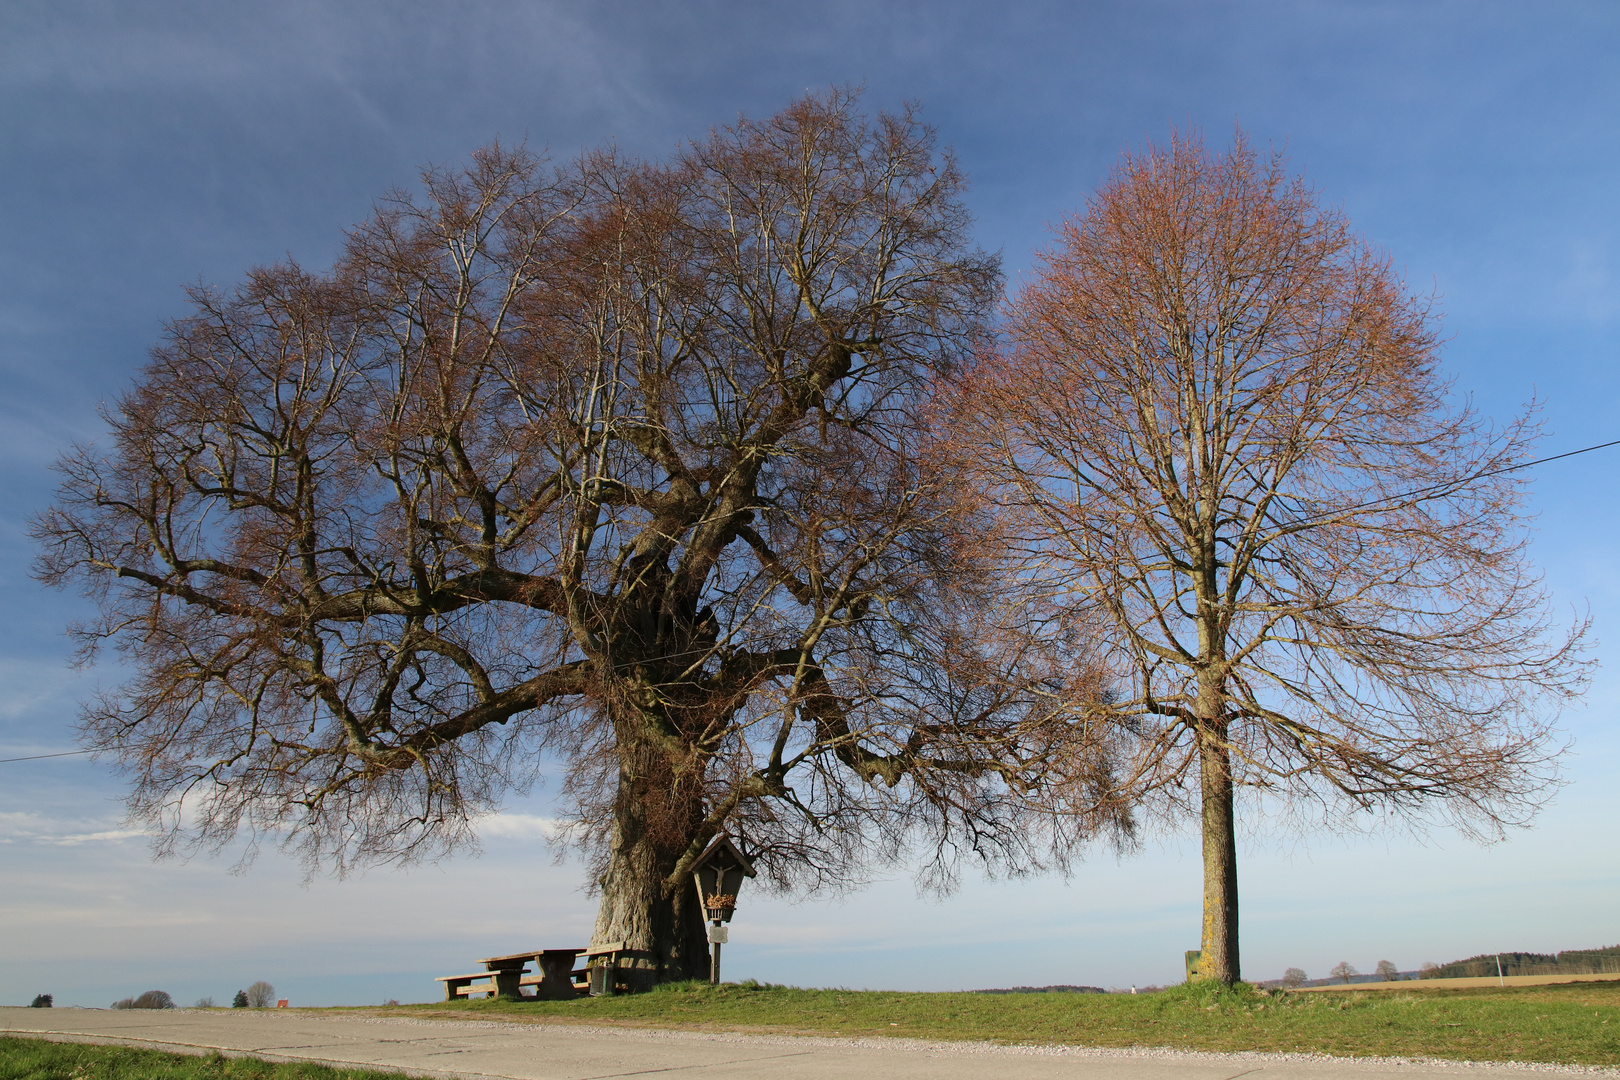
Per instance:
x=510, y=826
x=32, y=828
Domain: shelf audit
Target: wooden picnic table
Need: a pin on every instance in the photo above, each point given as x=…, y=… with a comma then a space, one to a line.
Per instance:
x=555, y=981
x=507, y=976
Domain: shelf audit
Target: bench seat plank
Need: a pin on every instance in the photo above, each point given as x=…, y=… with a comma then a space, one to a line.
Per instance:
x=498, y=983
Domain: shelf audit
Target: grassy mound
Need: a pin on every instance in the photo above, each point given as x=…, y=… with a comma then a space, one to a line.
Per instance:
x=1571, y=1024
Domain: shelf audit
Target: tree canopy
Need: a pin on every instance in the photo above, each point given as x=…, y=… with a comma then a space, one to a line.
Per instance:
x=618, y=465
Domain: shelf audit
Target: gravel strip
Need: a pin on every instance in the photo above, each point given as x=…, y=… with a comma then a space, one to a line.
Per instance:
x=933, y=1046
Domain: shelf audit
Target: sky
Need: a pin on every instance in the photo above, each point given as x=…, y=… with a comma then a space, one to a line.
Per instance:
x=146, y=147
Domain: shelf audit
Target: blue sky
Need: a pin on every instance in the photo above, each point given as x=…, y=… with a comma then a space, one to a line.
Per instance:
x=145, y=147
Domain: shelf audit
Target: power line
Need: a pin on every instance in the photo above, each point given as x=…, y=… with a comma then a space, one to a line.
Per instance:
x=41, y=757
x=1555, y=457
x=1451, y=486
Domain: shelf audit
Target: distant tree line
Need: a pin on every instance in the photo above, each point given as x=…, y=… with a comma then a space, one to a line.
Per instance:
x=1569, y=962
x=1601, y=961
x=152, y=999
x=260, y=995
x=1064, y=989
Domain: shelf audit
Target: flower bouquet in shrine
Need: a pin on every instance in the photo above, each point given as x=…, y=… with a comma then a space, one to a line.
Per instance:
x=719, y=904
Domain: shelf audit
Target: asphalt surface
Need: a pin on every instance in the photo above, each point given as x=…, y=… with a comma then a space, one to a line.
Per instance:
x=476, y=1049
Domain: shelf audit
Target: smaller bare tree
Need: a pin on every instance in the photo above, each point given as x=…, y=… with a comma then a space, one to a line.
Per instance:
x=261, y=995
x=1387, y=971
x=1293, y=978
x=1217, y=426
x=1344, y=970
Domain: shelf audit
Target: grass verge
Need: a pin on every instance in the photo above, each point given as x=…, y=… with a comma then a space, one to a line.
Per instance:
x=41, y=1059
x=1575, y=1024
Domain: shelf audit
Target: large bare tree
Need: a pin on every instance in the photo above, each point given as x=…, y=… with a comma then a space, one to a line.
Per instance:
x=1222, y=445
x=614, y=466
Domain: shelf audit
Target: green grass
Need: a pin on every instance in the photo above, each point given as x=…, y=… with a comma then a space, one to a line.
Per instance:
x=1575, y=1024
x=1571, y=1024
x=40, y=1059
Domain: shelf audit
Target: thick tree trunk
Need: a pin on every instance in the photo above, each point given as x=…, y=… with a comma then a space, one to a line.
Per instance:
x=1219, y=957
x=652, y=826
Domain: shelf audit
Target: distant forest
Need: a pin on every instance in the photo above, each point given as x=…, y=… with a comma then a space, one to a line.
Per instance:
x=1604, y=961
x=1570, y=962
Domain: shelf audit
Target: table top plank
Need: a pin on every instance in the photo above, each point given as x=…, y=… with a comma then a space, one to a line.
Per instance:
x=516, y=959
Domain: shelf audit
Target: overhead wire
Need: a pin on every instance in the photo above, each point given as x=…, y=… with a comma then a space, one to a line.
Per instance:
x=42, y=757
x=1322, y=514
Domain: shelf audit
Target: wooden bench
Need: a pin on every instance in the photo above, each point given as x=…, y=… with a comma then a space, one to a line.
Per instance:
x=602, y=964
x=499, y=983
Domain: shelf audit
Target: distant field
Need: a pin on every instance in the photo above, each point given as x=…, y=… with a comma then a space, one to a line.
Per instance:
x=1571, y=1024
x=1467, y=983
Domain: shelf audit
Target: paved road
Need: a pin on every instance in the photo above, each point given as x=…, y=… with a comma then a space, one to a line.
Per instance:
x=477, y=1049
